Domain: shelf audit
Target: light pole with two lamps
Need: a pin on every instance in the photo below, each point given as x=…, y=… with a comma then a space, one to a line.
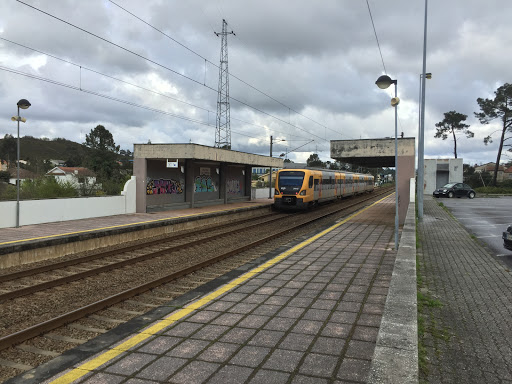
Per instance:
x=23, y=104
x=384, y=82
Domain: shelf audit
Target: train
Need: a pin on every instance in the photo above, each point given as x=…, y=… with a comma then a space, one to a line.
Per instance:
x=300, y=189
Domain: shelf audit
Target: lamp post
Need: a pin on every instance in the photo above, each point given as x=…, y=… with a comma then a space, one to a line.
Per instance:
x=384, y=82
x=421, y=141
x=421, y=152
x=23, y=104
x=272, y=140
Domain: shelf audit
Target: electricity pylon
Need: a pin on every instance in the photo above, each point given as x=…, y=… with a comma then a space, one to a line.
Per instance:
x=223, y=126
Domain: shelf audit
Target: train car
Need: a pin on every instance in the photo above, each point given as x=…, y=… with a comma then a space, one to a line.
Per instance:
x=303, y=188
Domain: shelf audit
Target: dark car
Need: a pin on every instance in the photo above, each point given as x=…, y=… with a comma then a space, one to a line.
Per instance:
x=507, y=238
x=455, y=190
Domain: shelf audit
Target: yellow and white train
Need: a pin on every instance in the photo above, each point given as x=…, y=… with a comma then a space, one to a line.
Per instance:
x=303, y=188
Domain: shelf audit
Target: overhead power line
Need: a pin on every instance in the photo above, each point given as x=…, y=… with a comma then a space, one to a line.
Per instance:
x=169, y=69
x=128, y=83
x=215, y=65
x=80, y=89
x=376, y=38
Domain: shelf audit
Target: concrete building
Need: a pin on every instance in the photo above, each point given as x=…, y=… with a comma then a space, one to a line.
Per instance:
x=172, y=176
x=439, y=172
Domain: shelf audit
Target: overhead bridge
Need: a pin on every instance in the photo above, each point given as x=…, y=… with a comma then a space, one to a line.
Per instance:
x=372, y=153
x=380, y=153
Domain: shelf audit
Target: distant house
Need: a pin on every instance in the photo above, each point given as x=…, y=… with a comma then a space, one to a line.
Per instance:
x=507, y=173
x=57, y=163
x=24, y=175
x=259, y=170
x=264, y=178
x=79, y=177
x=489, y=167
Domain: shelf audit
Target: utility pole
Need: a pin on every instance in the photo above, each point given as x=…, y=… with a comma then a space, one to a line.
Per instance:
x=223, y=126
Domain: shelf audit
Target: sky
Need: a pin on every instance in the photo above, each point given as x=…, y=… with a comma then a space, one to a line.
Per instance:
x=301, y=71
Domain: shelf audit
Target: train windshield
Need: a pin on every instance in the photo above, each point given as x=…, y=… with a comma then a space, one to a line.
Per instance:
x=290, y=179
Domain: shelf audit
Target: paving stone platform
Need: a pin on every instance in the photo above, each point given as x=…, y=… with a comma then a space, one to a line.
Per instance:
x=468, y=329
x=309, y=314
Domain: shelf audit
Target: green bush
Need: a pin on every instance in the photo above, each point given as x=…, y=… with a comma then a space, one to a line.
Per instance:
x=499, y=190
x=41, y=188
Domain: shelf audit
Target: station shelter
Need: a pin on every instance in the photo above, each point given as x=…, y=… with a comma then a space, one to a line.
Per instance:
x=176, y=176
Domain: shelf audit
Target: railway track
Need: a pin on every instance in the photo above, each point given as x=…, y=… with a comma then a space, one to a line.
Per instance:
x=23, y=347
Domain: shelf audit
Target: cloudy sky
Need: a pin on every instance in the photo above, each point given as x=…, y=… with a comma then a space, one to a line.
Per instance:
x=301, y=71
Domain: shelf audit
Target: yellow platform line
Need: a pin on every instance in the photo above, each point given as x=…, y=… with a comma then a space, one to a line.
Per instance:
x=105, y=357
x=116, y=226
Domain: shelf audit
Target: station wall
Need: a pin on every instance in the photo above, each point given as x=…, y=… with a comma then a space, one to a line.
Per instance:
x=53, y=210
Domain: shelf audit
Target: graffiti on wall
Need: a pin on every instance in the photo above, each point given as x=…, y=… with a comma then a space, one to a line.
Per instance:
x=204, y=183
x=164, y=186
x=234, y=186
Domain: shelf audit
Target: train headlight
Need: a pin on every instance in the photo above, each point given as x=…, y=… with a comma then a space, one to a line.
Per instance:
x=302, y=193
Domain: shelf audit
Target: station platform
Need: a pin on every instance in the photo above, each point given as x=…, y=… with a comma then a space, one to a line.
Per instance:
x=56, y=239
x=310, y=312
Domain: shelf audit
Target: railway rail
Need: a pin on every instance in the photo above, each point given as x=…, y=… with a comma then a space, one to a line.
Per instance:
x=26, y=341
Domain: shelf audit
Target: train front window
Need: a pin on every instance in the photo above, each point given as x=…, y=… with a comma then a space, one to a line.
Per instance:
x=290, y=179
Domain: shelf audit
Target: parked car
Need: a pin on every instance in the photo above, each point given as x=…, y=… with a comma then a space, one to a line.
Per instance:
x=455, y=190
x=507, y=238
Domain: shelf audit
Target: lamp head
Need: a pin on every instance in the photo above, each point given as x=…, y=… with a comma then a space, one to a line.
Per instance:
x=19, y=118
x=395, y=101
x=24, y=104
x=384, y=82
x=428, y=75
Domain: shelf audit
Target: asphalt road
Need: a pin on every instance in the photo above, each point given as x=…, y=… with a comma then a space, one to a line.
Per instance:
x=486, y=218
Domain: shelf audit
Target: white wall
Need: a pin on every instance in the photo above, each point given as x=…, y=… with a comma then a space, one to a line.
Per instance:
x=52, y=210
x=260, y=193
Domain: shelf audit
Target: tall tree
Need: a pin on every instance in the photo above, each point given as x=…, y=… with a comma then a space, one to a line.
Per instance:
x=100, y=138
x=314, y=161
x=104, y=160
x=498, y=108
x=8, y=148
x=451, y=124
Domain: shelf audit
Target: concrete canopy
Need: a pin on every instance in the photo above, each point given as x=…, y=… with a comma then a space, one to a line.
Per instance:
x=203, y=152
x=371, y=153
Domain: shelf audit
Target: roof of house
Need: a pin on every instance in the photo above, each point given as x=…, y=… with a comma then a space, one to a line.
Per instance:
x=24, y=173
x=489, y=167
x=63, y=171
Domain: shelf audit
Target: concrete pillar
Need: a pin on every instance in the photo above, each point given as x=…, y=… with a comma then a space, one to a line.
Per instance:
x=189, y=182
x=248, y=181
x=406, y=172
x=140, y=171
x=223, y=191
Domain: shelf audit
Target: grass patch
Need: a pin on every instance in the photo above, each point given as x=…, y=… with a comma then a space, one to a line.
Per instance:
x=445, y=208
x=428, y=326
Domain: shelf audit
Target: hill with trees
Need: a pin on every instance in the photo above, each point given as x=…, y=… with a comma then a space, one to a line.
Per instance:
x=98, y=153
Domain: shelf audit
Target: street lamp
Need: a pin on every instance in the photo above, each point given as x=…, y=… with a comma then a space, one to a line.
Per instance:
x=384, y=82
x=272, y=140
x=23, y=104
x=421, y=146
x=421, y=139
